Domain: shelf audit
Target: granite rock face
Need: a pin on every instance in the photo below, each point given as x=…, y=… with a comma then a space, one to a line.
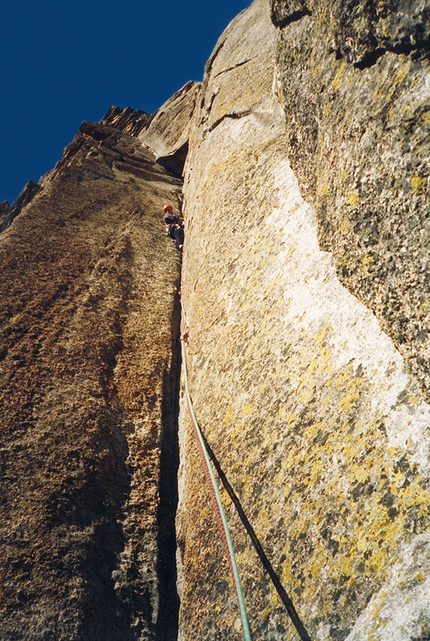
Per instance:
x=358, y=141
x=305, y=300
x=87, y=399
x=304, y=294
x=360, y=31
x=167, y=133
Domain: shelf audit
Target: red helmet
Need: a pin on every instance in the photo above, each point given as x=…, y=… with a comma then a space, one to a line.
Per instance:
x=167, y=208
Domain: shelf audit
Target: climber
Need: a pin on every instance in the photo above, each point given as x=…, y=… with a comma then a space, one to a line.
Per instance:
x=174, y=226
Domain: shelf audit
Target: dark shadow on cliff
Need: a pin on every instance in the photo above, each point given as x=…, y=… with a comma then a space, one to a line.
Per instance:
x=103, y=617
x=85, y=514
x=282, y=593
x=167, y=622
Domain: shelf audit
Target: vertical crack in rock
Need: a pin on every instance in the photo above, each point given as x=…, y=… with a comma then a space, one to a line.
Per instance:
x=87, y=396
x=315, y=417
x=167, y=622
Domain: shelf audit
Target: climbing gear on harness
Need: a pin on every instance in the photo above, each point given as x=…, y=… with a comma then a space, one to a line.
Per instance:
x=174, y=226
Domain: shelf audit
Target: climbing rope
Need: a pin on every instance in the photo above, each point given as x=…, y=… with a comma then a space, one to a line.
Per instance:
x=282, y=593
x=219, y=509
x=208, y=455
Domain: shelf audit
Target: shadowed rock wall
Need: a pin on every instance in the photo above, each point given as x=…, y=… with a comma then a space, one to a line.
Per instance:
x=167, y=132
x=315, y=407
x=87, y=399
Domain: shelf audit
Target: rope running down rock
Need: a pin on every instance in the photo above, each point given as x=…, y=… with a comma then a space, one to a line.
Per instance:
x=207, y=454
x=216, y=498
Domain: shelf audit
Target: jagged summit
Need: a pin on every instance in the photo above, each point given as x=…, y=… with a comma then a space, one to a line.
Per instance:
x=130, y=121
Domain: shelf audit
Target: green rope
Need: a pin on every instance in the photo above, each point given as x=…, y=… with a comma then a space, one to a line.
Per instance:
x=232, y=560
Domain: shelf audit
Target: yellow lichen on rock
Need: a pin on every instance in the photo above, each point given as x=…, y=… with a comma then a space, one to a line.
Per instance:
x=304, y=399
x=418, y=183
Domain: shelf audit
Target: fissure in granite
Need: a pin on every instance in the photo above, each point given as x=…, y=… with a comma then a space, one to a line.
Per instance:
x=167, y=621
x=305, y=284
x=88, y=396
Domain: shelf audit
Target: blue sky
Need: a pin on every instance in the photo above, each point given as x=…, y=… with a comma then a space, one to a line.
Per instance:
x=65, y=61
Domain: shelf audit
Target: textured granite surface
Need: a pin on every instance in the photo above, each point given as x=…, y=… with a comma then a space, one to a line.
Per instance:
x=308, y=395
x=87, y=399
